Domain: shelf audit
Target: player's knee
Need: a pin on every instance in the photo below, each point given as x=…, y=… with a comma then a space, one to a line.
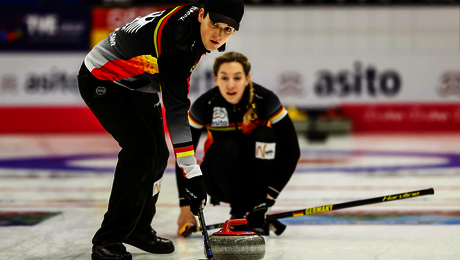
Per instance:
x=141, y=148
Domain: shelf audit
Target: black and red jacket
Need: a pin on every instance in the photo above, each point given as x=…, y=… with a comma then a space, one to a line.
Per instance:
x=221, y=119
x=157, y=53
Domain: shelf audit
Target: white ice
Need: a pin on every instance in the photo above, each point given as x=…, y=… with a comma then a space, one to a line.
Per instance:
x=82, y=200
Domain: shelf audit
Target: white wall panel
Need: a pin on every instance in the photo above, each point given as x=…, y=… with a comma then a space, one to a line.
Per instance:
x=419, y=44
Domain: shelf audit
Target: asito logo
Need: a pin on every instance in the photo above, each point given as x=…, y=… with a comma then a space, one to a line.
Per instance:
x=220, y=117
x=54, y=81
x=265, y=151
x=358, y=82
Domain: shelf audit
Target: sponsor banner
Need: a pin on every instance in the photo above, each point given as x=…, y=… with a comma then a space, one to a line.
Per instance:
x=40, y=79
x=364, y=80
x=391, y=75
x=121, y=3
x=39, y=94
x=311, y=61
x=404, y=118
x=323, y=84
x=38, y=2
x=298, y=2
x=44, y=28
x=310, y=57
x=107, y=19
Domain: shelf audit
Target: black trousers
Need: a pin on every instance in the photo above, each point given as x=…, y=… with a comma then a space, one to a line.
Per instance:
x=233, y=173
x=134, y=119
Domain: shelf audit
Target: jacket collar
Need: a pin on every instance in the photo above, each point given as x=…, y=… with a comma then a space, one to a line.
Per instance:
x=197, y=36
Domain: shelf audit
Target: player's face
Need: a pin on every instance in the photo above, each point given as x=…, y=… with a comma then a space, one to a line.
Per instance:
x=232, y=81
x=213, y=34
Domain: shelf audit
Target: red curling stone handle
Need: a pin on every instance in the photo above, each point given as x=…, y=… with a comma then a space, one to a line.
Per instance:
x=226, y=231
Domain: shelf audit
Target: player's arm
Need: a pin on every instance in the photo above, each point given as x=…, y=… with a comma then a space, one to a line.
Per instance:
x=185, y=215
x=287, y=150
x=196, y=119
x=186, y=218
x=180, y=180
x=175, y=69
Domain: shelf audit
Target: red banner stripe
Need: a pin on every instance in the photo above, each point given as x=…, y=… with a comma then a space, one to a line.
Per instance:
x=51, y=119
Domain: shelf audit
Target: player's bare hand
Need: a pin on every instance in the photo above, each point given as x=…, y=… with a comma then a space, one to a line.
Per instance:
x=185, y=221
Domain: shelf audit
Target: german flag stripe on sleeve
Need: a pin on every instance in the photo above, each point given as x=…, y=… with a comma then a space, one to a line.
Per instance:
x=194, y=123
x=159, y=29
x=232, y=128
x=278, y=116
x=183, y=154
x=184, y=151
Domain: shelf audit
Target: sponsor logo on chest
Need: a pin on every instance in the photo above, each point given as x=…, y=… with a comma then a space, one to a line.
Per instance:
x=220, y=116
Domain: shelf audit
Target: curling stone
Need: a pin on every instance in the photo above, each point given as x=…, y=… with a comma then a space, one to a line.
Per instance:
x=242, y=245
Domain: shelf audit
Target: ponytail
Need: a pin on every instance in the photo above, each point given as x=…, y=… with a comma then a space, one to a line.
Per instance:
x=251, y=113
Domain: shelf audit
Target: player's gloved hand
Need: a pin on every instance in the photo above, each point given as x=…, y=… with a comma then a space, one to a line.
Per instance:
x=214, y=201
x=256, y=217
x=195, y=193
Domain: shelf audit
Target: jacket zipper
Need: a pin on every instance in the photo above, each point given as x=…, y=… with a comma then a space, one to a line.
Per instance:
x=234, y=116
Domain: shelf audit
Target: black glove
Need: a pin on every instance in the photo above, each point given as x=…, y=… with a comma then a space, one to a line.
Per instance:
x=256, y=217
x=215, y=201
x=195, y=193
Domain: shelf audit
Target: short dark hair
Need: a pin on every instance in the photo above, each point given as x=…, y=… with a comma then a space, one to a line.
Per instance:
x=197, y=11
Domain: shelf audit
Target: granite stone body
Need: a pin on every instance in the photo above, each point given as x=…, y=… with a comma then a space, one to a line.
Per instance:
x=241, y=247
x=227, y=244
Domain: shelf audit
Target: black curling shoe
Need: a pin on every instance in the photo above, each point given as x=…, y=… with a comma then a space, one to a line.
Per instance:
x=110, y=251
x=150, y=242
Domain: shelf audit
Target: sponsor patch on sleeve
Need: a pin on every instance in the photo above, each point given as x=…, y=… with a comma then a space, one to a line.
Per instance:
x=265, y=151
